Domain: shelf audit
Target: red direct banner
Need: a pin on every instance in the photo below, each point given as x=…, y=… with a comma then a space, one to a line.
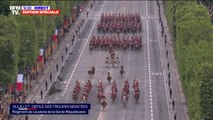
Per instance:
x=40, y=12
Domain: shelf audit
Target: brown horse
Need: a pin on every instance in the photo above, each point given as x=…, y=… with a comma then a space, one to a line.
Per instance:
x=91, y=72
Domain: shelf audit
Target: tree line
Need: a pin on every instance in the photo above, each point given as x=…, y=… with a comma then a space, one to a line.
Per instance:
x=191, y=29
x=22, y=36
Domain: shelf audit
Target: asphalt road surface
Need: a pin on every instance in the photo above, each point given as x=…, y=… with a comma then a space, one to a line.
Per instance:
x=145, y=65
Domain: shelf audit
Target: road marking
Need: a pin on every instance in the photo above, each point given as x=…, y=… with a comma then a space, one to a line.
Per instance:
x=40, y=117
x=149, y=68
x=149, y=17
x=60, y=68
x=100, y=115
x=146, y=78
x=157, y=73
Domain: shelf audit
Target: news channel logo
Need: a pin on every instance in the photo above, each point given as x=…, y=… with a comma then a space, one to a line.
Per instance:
x=16, y=10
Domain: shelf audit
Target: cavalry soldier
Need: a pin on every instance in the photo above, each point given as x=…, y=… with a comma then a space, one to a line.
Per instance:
x=93, y=69
x=135, y=84
x=89, y=84
x=78, y=82
x=109, y=77
x=137, y=95
x=122, y=70
x=114, y=93
x=114, y=86
x=126, y=86
x=136, y=89
x=126, y=83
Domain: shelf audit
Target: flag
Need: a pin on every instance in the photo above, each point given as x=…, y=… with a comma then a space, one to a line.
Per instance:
x=56, y=32
x=19, y=82
x=54, y=37
x=41, y=53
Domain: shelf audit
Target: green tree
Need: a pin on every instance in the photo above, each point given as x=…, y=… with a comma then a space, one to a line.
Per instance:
x=193, y=48
x=5, y=8
x=28, y=41
x=207, y=91
x=9, y=46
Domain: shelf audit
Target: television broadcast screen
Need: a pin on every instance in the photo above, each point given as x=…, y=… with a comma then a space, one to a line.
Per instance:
x=106, y=60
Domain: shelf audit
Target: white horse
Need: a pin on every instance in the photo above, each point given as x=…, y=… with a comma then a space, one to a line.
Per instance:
x=124, y=100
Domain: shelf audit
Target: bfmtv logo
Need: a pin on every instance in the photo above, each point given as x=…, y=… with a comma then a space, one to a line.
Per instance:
x=15, y=10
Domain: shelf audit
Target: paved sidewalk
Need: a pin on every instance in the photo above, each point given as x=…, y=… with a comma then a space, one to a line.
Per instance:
x=177, y=100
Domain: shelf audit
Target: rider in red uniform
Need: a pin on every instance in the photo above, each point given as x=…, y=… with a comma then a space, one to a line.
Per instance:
x=135, y=84
x=126, y=83
x=114, y=86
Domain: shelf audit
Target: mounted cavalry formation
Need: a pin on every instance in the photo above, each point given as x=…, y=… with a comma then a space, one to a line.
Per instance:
x=116, y=32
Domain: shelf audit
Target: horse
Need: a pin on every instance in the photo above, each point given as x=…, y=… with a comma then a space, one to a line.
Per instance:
x=91, y=47
x=137, y=46
x=109, y=79
x=84, y=99
x=126, y=89
x=91, y=73
x=99, y=96
x=137, y=95
x=75, y=96
x=113, y=95
x=124, y=100
x=89, y=84
x=104, y=104
x=124, y=45
x=121, y=72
